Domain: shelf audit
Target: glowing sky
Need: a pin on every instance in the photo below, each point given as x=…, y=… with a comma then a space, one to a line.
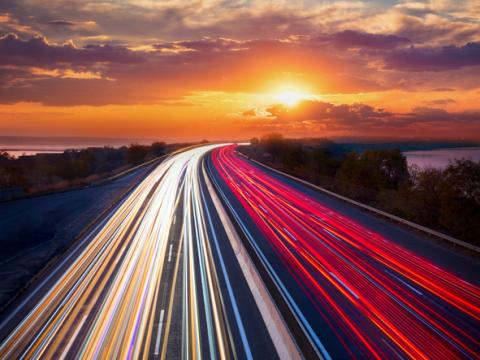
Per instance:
x=185, y=70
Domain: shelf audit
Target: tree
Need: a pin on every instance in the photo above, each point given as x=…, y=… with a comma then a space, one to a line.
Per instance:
x=425, y=195
x=324, y=163
x=375, y=169
x=292, y=155
x=460, y=200
x=157, y=149
x=136, y=154
x=273, y=144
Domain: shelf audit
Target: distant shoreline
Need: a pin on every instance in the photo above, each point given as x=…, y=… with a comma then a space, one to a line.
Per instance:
x=441, y=157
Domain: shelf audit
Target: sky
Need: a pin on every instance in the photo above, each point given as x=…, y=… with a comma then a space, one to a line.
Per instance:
x=188, y=70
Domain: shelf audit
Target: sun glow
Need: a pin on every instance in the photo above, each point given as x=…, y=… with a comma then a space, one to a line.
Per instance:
x=291, y=98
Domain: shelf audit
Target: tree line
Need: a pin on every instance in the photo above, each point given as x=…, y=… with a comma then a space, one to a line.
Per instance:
x=444, y=199
x=72, y=167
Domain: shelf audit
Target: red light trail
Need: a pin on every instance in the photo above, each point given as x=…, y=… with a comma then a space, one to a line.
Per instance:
x=379, y=299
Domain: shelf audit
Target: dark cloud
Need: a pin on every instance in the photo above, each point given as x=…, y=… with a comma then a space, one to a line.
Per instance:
x=62, y=23
x=436, y=115
x=358, y=117
x=434, y=59
x=38, y=52
x=214, y=64
x=71, y=92
x=313, y=110
x=355, y=39
x=440, y=102
x=443, y=89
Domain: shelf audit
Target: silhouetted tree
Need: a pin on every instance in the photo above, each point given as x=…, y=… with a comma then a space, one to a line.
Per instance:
x=273, y=144
x=460, y=200
x=254, y=141
x=157, y=149
x=136, y=154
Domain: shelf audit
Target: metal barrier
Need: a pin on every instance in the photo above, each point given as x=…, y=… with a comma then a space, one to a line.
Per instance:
x=413, y=225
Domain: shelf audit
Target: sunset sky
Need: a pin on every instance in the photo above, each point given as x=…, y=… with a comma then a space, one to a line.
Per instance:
x=186, y=70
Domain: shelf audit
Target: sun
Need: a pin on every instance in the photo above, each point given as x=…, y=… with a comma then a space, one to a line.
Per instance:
x=290, y=98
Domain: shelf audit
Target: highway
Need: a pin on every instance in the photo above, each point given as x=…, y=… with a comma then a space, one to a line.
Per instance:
x=156, y=279
x=212, y=256
x=356, y=293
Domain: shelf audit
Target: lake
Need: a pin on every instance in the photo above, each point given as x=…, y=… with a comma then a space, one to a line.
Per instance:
x=439, y=158
x=17, y=151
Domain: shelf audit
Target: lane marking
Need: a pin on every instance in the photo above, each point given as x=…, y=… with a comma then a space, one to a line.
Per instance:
x=345, y=285
x=284, y=343
x=159, y=332
x=73, y=338
x=393, y=349
x=170, y=253
x=174, y=219
x=264, y=210
x=404, y=283
x=289, y=233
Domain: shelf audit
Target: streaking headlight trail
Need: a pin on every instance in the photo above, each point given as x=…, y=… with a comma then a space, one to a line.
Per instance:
x=116, y=295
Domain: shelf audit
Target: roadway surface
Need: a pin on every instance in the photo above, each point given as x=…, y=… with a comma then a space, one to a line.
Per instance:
x=355, y=283
x=156, y=279
x=54, y=223
x=160, y=277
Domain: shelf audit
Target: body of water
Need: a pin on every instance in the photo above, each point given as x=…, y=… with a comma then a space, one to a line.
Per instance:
x=17, y=151
x=440, y=158
x=19, y=145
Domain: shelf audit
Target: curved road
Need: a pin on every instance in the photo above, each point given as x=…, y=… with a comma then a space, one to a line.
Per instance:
x=355, y=292
x=156, y=279
x=211, y=256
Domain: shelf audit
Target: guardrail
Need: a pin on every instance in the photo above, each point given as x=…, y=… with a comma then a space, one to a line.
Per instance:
x=126, y=171
x=294, y=324
x=389, y=216
x=94, y=183
x=280, y=334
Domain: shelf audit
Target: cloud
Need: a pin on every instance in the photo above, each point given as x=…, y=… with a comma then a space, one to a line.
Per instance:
x=314, y=110
x=66, y=73
x=73, y=24
x=355, y=39
x=62, y=23
x=437, y=115
x=440, y=102
x=346, y=62
x=312, y=115
x=434, y=58
x=38, y=51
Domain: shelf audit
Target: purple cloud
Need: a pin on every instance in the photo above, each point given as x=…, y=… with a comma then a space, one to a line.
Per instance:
x=434, y=59
x=313, y=110
x=355, y=39
x=356, y=116
x=38, y=52
x=62, y=23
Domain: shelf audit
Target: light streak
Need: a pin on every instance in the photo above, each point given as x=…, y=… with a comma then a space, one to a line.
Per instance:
x=377, y=299
x=102, y=303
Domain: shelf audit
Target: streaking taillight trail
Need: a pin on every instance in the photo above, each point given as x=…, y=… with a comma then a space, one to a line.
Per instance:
x=378, y=299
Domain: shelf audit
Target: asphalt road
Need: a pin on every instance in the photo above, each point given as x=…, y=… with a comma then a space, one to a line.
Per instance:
x=156, y=279
x=359, y=286
x=37, y=228
x=168, y=274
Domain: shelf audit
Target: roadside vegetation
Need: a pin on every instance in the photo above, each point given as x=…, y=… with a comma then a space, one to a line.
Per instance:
x=447, y=200
x=72, y=168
